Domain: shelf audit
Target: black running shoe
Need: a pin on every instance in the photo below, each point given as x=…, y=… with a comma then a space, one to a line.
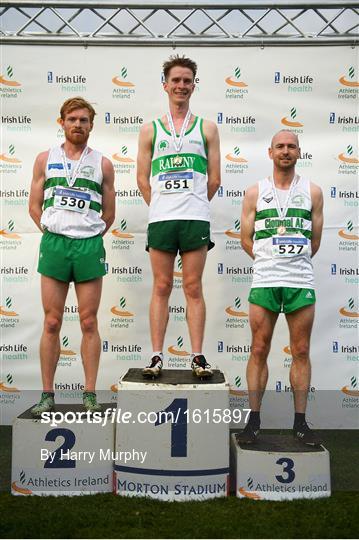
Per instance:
x=304, y=434
x=200, y=367
x=154, y=369
x=248, y=435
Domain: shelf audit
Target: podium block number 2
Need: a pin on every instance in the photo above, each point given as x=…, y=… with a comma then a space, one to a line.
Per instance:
x=288, y=469
x=178, y=416
x=57, y=460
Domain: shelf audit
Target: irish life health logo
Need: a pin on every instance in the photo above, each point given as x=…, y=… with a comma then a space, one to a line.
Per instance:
x=124, y=88
x=9, y=86
x=237, y=87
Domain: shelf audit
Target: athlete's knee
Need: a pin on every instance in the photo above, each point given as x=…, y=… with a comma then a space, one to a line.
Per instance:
x=192, y=288
x=88, y=324
x=260, y=350
x=300, y=351
x=52, y=323
x=163, y=286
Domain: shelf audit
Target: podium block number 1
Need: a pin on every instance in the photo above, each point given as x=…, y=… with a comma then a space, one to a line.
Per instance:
x=178, y=418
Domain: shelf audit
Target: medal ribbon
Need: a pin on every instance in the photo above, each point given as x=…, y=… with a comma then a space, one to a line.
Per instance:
x=71, y=178
x=178, y=142
x=283, y=211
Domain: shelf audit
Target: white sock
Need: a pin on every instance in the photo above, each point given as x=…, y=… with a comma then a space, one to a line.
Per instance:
x=157, y=353
x=195, y=354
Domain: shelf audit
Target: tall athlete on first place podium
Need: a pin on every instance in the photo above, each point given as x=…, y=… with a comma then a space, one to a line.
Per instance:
x=72, y=201
x=178, y=173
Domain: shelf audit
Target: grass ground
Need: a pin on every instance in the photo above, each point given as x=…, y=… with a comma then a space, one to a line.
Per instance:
x=107, y=516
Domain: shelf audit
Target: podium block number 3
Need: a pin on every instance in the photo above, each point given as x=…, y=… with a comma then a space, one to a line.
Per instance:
x=288, y=469
x=176, y=412
x=58, y=461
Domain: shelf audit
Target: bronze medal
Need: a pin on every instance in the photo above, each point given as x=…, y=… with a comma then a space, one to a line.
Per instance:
x=281, y=230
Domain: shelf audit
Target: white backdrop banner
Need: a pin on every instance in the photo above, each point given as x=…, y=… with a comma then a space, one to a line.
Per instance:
x=250, y=93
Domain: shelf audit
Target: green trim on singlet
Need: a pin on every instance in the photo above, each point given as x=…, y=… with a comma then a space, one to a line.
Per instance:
x=199, y=164
x=203, y=137
x=291, y=212
x=268, y=233
x=93, y=205
x=154, y=137
x=79, y=183
x=177, y=135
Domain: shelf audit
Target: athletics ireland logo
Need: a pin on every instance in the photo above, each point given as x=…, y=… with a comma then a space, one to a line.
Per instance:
x=120, y=310
x=291, y=121
x=121, y=230
x=349, y=79
x=235, y=156
x=7, y=79
x=120, y=80
x=123, y=157
x=9, y=156
x=348, y=156
x=178, y=351
x=235, y=81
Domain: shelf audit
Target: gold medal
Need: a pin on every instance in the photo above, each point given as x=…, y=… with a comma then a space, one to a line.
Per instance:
x=177, y=161
x=281, y=230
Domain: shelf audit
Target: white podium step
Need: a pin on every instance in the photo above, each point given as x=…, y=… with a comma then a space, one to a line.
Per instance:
x=176, y=435
x=277, y=467
x=70, y=458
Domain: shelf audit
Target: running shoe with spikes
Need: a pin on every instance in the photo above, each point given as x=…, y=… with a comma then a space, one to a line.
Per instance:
x=46, y=404
x=304, y=434
x=249, y=435
x=154, y=369
x=89, y=400
x=200, y=367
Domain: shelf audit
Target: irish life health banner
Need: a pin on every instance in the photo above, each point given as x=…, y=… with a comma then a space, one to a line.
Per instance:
x=250, y=93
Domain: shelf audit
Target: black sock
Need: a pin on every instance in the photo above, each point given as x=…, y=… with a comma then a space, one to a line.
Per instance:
x=254, y=419
x=299, y=419
x=50, y=393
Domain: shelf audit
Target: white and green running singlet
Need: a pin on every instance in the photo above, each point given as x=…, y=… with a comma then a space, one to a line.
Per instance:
x=179, y=179
x=282, y=243
x=73, y=198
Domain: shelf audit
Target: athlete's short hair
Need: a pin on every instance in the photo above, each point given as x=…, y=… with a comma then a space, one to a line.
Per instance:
x=77, y=103
x=177, y=60
x=285, y=131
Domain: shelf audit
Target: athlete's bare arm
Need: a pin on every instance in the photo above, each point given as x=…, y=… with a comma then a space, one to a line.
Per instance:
x=247, y=219
x=317, y=216
x=214, y=158
x=37, y=188
x=144, y=158
x=108, y=193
